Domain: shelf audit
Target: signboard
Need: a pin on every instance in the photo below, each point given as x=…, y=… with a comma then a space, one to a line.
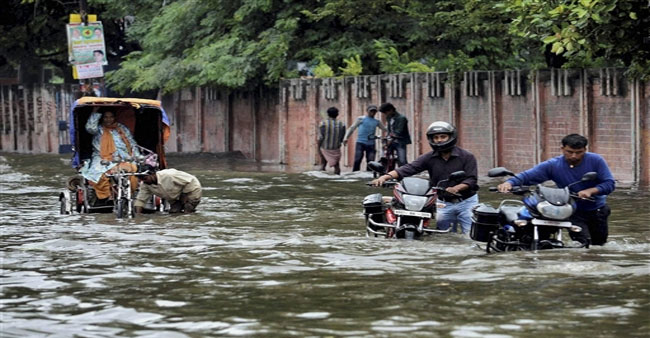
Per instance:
x=89, y=70
x=86, y=43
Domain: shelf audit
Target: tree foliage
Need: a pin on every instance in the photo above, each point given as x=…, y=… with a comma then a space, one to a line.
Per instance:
x=30, y=33
x=588, y=33
x=33, y=35
x=173, y=44
x=353, y=66
x=246, y=43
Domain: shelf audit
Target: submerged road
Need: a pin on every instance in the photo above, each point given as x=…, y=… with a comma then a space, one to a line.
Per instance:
x=272, y=254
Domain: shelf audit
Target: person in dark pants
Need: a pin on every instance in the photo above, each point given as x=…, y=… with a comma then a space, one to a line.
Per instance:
x=397, y=130
x=455, y=203
x=567, y=168
x=365, y=139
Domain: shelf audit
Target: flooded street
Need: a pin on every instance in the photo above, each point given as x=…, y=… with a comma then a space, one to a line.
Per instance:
x=285, y=254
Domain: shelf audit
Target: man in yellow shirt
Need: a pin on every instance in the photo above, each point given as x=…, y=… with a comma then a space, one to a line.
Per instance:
x=180, y=189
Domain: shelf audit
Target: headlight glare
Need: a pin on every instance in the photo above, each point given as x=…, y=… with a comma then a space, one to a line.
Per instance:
x=521, y=222
x=558, y=212
x=414, y=203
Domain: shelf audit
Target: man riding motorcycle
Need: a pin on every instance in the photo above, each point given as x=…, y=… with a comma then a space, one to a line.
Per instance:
x=455, y=204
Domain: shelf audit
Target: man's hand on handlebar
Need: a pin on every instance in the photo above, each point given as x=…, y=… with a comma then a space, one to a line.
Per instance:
x=504, y=187
x=455, y=190
x=587, y=193
x=378, y=182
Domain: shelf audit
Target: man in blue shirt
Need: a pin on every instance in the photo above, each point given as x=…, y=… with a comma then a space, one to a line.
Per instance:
x=567, y=168
x=397, y=130
x=365, y=139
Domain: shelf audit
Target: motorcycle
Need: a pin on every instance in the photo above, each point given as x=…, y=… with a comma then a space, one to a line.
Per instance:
x=409, y=212
x=533, y=223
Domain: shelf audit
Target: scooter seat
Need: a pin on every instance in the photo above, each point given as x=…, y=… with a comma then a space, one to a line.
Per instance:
x=510, y=213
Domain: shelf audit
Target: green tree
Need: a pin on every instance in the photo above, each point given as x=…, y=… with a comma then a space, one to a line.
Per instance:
x=251, y=42
x=174, y=44
x=353, y=66
x=587, y=33
x=30, y=35
x=33, y=33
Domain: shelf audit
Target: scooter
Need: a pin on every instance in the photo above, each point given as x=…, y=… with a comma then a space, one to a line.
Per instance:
x=409, y=212
x=533, y=223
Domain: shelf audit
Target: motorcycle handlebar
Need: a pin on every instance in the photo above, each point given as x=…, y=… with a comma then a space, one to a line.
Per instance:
x=442, y=189
x=590, y=199
x=386, y=184
x=124, y=174
x=520, y=189
x=517, y=190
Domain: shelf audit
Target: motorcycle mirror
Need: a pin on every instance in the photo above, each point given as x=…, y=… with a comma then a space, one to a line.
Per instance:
x=376, y=167
x=590, y=176
x=457, y=175
x=499, y=171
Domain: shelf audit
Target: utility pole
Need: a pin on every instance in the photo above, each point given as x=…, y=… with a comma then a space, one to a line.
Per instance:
x=83, y=11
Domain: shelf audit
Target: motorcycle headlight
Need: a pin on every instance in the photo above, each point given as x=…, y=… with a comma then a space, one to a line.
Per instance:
x=415, y=203
x=551, y=211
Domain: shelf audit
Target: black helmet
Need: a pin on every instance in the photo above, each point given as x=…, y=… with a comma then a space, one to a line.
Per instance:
x=441, y=127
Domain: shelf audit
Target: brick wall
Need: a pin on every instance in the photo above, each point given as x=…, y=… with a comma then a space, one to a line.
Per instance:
x=506, y=118
x=516, y=132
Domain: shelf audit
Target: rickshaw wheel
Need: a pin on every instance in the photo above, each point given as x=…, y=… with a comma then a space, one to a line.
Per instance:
x=64, y=208
x=122, y=207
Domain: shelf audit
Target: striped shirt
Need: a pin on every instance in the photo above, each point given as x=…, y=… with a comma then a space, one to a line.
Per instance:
x=331, y=133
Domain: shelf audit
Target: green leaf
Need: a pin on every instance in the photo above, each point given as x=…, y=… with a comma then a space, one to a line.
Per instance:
x=556, y=46
x=633, y=16
x=353, y=66
x=569, y=46
x=596, y=17
x=550, y=39
x=581, y=12
x=323, y=70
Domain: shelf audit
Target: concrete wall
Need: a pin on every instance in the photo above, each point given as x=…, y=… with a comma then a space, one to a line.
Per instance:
x=30, y=115
x=506, y=118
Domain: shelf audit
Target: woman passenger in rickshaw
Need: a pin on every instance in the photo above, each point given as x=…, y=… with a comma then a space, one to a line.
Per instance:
x=111, y=140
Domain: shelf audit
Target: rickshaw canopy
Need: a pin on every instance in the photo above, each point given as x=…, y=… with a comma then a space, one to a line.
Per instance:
x=146, y=119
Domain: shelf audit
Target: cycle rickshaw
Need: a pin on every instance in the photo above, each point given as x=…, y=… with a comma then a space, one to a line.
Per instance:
x=149, y=126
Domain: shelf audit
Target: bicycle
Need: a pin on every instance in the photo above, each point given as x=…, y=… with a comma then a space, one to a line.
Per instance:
x=121, y=191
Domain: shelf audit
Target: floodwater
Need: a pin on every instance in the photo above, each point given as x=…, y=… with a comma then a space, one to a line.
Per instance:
x=273, y=254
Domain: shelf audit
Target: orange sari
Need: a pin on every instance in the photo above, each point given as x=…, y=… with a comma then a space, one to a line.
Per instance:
x=106, y=149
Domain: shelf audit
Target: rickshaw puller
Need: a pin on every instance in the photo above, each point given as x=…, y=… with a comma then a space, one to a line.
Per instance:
x=180, y=189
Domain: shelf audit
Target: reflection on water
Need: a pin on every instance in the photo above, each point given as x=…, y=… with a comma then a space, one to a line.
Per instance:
x=277, y=254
